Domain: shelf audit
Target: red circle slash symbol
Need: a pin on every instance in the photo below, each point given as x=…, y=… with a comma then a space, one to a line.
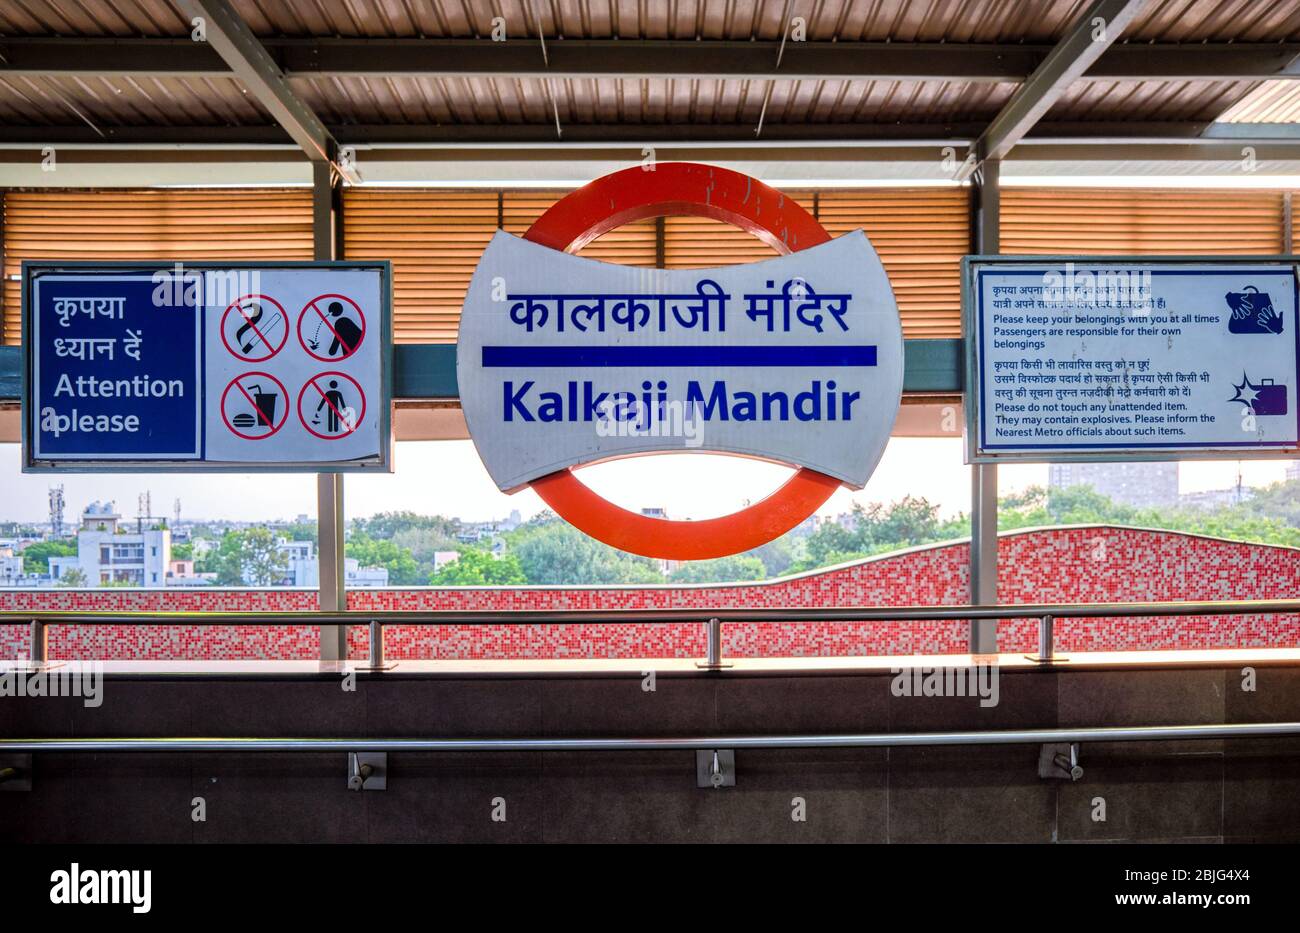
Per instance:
x=254, y=328
x=331, y=327
x=331, y=405
x=250, y=405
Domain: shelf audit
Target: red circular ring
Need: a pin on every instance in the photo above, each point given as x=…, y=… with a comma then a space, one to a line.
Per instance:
x=699, y=191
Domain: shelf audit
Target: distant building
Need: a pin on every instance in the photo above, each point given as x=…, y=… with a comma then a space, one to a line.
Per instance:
x=443, y=558
x=104, y=556
x=1293, y=470
x=11, y=569
x=1216, y=498
x=1142, y=485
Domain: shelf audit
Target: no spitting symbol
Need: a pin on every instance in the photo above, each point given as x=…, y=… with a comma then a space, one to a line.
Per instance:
x=254, y=328
x=331, y=327
x=331, y=405
x=254, y=406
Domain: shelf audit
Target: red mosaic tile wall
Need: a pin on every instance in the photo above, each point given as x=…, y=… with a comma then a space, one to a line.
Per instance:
x=1077, y=564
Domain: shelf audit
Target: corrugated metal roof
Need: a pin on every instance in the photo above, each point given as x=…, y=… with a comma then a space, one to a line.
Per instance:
x=134, y=100
x=1147, y=100
x=359, y=100
x=363, y=100
x=842, y=20
x=1271, y=102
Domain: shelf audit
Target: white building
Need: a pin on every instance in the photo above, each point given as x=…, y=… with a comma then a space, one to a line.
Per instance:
x=1136, y=483
x=303, y=569
x=104, y=556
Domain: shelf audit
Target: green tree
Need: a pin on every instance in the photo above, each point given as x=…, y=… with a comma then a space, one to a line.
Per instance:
x=1280, y=501
x=183, y=551
x=476, y=567
x=36, y=557
x=737, y=567
x=73, y=577
x=249, y=555
x=552, y=551
x=299, y=531
x=401, y=566
x=390, y=524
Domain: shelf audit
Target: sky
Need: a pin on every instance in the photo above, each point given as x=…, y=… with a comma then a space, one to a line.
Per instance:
x=447, y=478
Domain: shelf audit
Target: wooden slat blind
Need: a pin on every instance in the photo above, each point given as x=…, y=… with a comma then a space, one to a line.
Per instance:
x=434, y=239
x=921, y=235
x=1141, y=220
x=697, y=242
x=630, y=245
x=156, y=223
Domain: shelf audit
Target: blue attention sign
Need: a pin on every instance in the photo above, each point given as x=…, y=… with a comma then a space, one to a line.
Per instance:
x=117, y=374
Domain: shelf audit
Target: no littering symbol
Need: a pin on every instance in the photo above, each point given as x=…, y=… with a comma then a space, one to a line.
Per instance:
x=331, y=405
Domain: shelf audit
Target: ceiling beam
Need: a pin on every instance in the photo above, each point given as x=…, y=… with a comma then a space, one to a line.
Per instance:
x=1085, y=41
x=231, y=38
x=862, y=136
x=634, y=58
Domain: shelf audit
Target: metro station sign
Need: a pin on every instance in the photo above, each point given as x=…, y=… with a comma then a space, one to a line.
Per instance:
x=564, y=361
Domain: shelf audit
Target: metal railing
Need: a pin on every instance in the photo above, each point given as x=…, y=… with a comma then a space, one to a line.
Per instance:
x=698, y=743
x=1047, y=615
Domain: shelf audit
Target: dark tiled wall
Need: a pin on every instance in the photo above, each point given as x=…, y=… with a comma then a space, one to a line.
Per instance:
x=1235, y=790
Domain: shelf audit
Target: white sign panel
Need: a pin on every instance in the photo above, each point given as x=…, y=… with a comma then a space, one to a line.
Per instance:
x=206, y=366
x=293, y=371
x=564, y=361
x=1096, y=359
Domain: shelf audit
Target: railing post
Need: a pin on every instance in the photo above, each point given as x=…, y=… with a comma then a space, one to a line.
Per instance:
x=376, y=644
x=40, y=642
x=1046, y=638
x=712, y=644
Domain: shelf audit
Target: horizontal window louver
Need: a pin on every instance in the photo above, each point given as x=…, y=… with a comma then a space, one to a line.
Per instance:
x=153, y=224
x=1141, y=221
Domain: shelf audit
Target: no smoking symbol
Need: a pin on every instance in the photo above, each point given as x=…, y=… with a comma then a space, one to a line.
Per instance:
x=254, y=406
x=331, y=405
x=254, y=328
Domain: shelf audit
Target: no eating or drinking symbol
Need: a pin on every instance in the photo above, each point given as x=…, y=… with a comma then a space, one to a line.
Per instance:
x=331, y=405
x=254, y=406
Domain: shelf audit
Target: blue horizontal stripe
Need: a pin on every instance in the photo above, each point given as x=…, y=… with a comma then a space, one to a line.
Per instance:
x=497, y=357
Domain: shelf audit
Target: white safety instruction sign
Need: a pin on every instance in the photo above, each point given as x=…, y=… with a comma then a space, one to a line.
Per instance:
x=197, y=365
x=1092, y=360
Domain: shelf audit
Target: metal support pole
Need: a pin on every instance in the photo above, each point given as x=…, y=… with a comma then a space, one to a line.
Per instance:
x=40, y=643
x=984, y=476
x=326, y=229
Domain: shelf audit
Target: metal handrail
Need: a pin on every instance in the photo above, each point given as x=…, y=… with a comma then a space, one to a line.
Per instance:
x=713, y=618
x=689, y=614
x=857, y=740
